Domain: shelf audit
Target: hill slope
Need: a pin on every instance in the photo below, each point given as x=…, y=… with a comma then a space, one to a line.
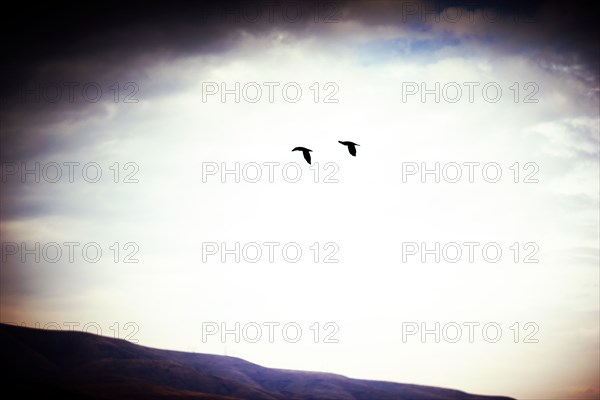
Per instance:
x=77, y=365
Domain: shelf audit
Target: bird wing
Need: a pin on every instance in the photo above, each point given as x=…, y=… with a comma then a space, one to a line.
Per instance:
x=306, y=156
x=352, y=150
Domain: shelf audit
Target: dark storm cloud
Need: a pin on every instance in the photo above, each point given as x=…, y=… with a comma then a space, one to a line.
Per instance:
x=58, y=44
x=122, y=34
x=119, y=35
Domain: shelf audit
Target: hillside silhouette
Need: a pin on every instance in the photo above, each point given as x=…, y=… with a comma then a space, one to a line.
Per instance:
x=75, y=365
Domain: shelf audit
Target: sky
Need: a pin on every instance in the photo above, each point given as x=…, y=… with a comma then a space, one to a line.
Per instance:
x=149, y=190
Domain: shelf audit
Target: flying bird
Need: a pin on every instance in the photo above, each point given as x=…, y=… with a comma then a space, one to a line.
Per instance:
x=351, y=147
x=305, y=153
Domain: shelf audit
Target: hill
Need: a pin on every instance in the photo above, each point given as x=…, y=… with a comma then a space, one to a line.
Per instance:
x=77, y=365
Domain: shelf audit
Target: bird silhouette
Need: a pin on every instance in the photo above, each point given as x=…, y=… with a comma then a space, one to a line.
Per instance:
x=351, y=147
x=305, y=153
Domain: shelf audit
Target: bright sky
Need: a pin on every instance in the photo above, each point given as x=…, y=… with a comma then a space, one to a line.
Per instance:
x=376, y=216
